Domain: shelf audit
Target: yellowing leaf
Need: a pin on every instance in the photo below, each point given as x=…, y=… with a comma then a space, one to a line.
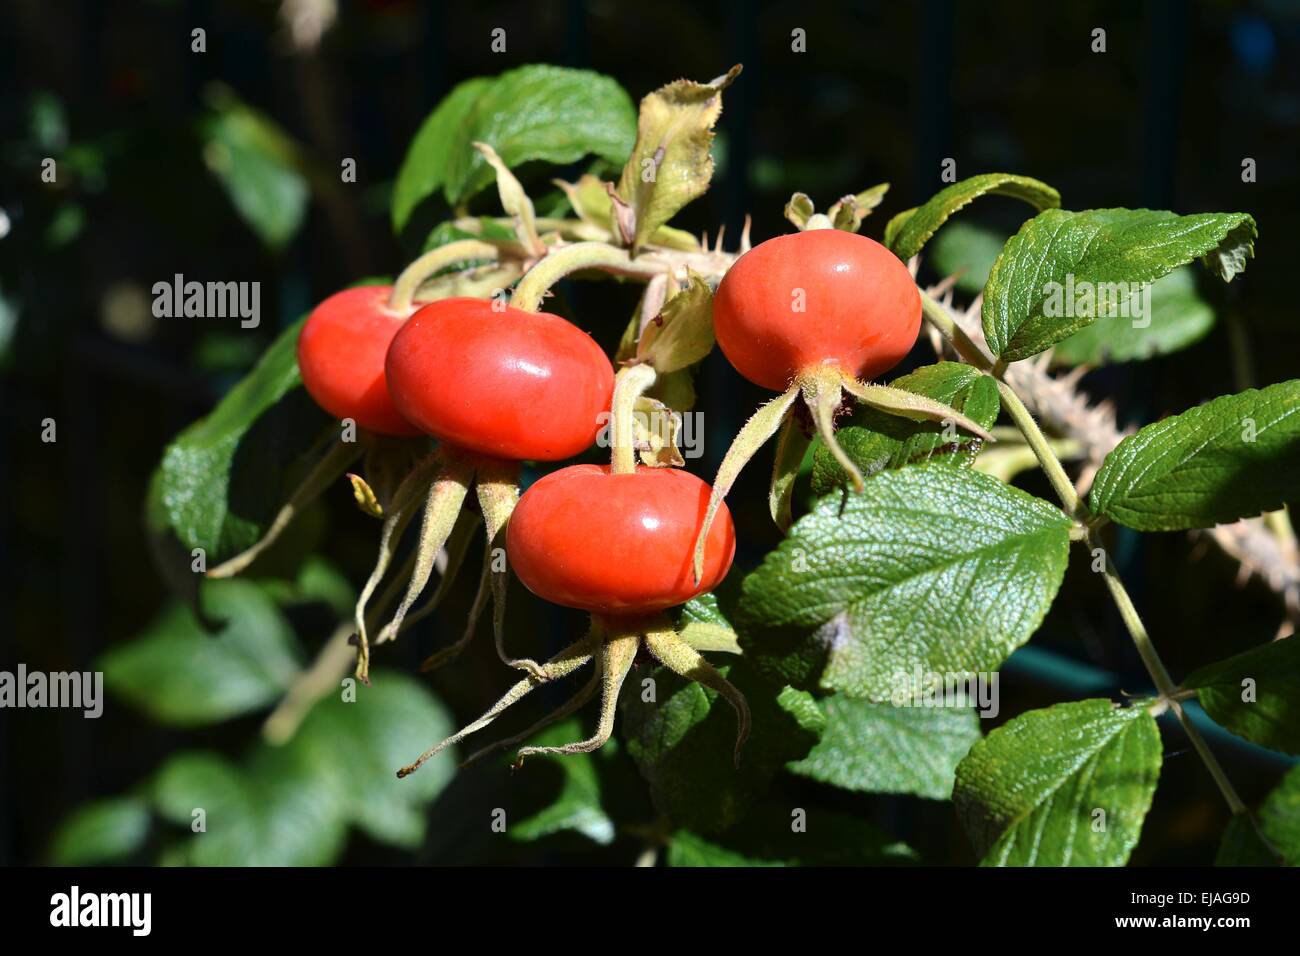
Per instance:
x=670, y=163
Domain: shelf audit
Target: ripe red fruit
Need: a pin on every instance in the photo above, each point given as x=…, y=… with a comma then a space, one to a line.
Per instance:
x=616, y=544
x=503, y=383
x=816, y=298
x=341, y=354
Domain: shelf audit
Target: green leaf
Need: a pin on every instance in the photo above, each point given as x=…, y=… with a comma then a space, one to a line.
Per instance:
x=292, y=805
x=1279, y=822
x=767, y=838
x=1231, y=458
x=683, y=742
x=912, y=233
x=356, y=747
x=577, y=806
x=1066, y=786
x=671, y=163
x=875, y=440
x=895, y=225
x=106, y=831
x=1179, y=318
x=179, y=673
x=269, y=814
x=881, y=748
x=540, y=113
x=930, y=567
x=705, y=621
x=258, y=166
x=1256, y=694
x=224, y=477
x=1102, y=255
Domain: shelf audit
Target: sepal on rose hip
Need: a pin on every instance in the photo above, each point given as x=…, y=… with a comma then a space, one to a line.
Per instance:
x=612, y=644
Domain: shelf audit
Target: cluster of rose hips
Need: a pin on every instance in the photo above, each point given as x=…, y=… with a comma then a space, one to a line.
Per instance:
x=813, y=314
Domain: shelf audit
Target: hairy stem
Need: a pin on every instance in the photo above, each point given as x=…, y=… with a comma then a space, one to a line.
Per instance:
x=629, y=385
x=1042, y=449
x=549, y=270
x=433, y=261
x=938, y=316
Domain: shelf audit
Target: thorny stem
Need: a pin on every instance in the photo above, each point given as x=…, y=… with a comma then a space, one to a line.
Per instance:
x=629, y=385
x=1069, y=495
x=433, y=261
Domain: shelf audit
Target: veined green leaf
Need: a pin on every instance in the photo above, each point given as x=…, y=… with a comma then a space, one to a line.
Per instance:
x=930, y=567
x=1231, y=458
x=577, y=807
x=875, y=440
x=224, y=477
x=1065, y=270
x=881, y=748
x=1179, y=318
x=548, y=113
x=1255, y=694
x=1066, y=786
x=911, y=234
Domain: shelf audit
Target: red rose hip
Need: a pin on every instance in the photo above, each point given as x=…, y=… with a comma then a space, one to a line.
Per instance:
x=616, y=544
x=823, y=297
x=500, y=382
x=341, y=352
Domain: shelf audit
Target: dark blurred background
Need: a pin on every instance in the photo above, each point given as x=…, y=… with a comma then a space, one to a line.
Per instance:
x=885, y=92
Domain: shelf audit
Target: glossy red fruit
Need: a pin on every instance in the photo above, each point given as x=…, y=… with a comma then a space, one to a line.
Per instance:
x=616, y=544
x=861, y=310
x=341, y=352
x=508, y=384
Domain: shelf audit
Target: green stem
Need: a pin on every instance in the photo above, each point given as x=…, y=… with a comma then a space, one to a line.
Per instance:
x=569, y=259
x=1164, y=683
x=629, y=385
x=434, y=261
x=938, y=316
x=1036, y=440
